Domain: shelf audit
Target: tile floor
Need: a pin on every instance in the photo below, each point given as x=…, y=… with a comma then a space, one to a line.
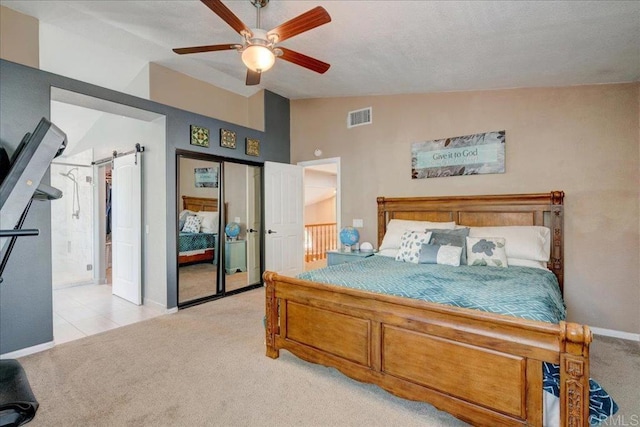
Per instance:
x=85, y=310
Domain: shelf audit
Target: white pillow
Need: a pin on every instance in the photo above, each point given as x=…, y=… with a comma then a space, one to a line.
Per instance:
x=410, y=245
x=192, y=224
x=440, y=254
x=521, y=241
x=209, y=221
x=397, y=227
x=486, y=251
x=517, y=262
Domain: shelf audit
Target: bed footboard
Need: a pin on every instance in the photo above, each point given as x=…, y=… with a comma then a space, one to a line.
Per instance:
x=483, y=368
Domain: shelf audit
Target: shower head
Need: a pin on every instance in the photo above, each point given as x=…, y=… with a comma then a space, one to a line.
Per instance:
x=70, y=174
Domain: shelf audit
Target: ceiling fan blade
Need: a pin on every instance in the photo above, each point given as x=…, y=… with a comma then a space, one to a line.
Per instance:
x=208, y=48
x=304, y=60
x=253, y=78
x=227, y=16
x=305, y=22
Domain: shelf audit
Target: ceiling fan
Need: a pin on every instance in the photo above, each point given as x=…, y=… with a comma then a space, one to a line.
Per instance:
x=259, y=48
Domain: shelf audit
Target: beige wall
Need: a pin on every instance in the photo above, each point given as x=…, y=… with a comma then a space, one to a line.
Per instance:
x=19, y=42
x=181, y=91
x=19, y=38
x=582, y=140
x=323, y=212
x=235, y=194
x=256, y=111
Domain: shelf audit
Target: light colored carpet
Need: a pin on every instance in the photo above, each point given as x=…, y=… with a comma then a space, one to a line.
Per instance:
x=199, y=280
x=205, y=366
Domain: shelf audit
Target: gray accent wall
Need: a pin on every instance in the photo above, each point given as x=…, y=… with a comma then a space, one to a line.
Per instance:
x=26, y=294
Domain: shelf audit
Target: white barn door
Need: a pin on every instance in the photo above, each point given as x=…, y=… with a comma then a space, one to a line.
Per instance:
x=126, y=233
x=283, y=218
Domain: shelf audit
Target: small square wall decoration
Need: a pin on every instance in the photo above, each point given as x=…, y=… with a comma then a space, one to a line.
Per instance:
x=253, y=147
x=227, y=138
x=199, y=136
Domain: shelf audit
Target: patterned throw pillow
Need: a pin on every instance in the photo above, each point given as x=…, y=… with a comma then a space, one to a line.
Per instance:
x=410, y=245
x=440, y=254
x=486, y=251
x=192, y=224
x=183, y=217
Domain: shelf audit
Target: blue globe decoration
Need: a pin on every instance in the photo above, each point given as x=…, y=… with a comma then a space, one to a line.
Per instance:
x=232, y=230
x=349, y=236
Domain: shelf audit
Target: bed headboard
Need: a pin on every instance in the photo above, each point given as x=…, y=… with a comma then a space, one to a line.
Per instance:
x=198, y=204
x=478, y=211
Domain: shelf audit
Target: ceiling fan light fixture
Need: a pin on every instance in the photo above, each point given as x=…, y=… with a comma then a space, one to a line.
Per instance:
x=258, y=58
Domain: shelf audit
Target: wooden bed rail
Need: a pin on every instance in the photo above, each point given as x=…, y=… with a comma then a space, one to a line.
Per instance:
x=483, y=368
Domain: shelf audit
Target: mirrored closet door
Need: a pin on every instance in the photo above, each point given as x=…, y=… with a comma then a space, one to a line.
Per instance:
x=199, y=220
x=219, y=228
x=243, y=232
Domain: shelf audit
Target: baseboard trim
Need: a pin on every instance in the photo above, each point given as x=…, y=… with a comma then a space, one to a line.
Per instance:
x=160, y=307
x=27, y=351
x=615, y=334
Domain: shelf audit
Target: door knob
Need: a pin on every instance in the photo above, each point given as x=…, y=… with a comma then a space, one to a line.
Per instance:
x=271, y=232
x=251, y=230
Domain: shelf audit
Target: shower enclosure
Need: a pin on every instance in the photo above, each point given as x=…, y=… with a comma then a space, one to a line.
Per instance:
x=72, y=236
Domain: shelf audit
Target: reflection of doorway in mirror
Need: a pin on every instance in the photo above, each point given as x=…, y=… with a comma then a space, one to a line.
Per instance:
x=243, y=203
x=254, y=223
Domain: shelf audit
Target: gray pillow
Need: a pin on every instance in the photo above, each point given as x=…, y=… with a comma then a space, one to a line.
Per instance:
x=457, y=237
x=428, y=254
x=440, y=254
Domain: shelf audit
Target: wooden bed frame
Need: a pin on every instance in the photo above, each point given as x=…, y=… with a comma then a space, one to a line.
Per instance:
x=198, y=204
x=483, y=368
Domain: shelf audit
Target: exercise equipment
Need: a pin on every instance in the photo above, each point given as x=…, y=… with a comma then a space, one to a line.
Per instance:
x=20, y=185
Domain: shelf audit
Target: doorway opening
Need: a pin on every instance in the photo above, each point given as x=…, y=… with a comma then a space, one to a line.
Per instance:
x=321, y=210
x=83, y=302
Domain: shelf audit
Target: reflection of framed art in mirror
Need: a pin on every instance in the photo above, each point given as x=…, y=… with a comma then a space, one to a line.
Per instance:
x=206, y=177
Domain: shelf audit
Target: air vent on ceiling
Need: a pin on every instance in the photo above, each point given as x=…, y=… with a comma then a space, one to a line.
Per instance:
x=359, y=117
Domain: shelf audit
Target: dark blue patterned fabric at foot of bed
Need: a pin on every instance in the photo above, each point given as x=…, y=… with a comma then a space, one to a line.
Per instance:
x=523, y=292
x=601, y=405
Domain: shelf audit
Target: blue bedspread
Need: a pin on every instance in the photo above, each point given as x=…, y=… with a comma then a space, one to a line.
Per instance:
x=523, y=292
x=196, y=241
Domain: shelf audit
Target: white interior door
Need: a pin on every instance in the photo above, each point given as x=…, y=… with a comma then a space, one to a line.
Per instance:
x=283, y=218
x=126, y=233
x=253, y=224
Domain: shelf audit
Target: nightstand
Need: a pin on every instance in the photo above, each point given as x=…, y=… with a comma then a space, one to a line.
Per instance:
x=235, y=256
x=340, y=257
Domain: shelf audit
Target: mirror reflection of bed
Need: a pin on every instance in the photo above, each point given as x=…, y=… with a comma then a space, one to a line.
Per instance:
x=197, y=257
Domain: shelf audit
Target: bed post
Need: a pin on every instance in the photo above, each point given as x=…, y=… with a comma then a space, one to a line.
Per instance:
x=382, y=223
x=574, y=374
x=557, y=239
x=271, y=315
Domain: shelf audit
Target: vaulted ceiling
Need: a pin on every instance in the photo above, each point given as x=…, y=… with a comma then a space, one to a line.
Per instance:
x=376, y=47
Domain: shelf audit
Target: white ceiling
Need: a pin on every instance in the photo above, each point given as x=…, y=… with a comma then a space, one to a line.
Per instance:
x=377, y=47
